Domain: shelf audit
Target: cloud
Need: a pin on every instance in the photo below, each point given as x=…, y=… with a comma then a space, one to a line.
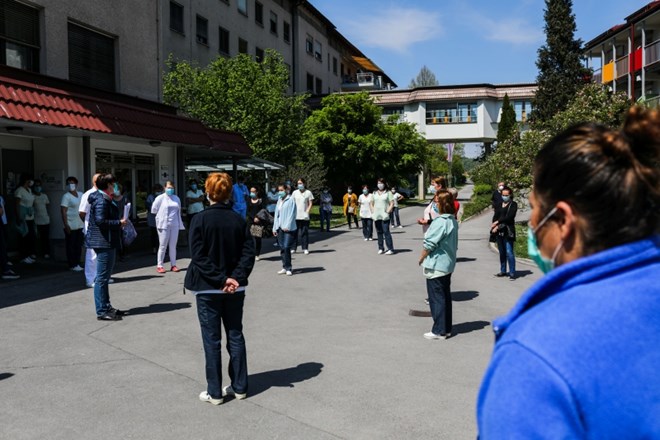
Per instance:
x=511, y=30
x=395, y=28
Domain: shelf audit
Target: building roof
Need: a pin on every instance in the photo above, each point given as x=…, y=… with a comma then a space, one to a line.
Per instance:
x=466, y=91
x=632, y=19
x=38, y=99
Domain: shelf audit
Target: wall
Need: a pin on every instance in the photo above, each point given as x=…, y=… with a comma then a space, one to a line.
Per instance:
x=52, y=154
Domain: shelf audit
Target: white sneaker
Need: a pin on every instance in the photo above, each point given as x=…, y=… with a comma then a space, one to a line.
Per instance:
x=111, y=280
x=229, y=391
x=77, y=269
x=281, y=272
x=256, y=258
x=400, y=227
x=306, y=252
x=293, y=251
x=427, y=301
x=389, y=252
x=366, y=239
x=431, y=335
x=91, y=285
x=289, y=273
x=370, y=239
x=27, y=260
x=204, y=397
x=380, y=251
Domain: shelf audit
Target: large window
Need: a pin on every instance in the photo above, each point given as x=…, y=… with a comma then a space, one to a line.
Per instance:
x=319, y=86
x=259, y=54
x=310, y=83
x=334, y=65
x=259, y=13
x=19, y=35
x=223, y=40
x=242, y=6
x=286, y=32
x=523, y=109
x=451, y=113
x=309, y=44
x=273, y=23
x=176, y=17
x=91, y=58
x=202, y=25
x=242, y=46
x=318, y=51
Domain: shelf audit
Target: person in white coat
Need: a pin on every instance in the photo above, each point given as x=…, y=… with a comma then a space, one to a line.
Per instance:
x=167, y=208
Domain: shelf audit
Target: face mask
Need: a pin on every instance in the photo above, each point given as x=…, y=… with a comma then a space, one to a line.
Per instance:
x=169, y=191
x=282, y=194
x=193, y=187
x=253, y=195
x=435, y=208
x=505, y=199
x=72, y=186
x=30, y=183
x=500, y=188
x=381, y=186
x=431, y=189
x=37, y=189
x=350, y=191
x=545, y=264
x=393, y=191
x=301, y=187
x=365, y=191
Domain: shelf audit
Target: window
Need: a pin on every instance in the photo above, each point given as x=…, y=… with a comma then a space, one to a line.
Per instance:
x=242, y=46
x=286, y=32
x=334, y=65
x=91, y=58
x=319, y=86
x=242, y=6
x=19, y=35
x=309, y=44
x=202, y=30
x=522, y=109
x=318, y=54
x=259, y=13
x=451, y=113
x=310, y=83
x=259, y=54
x=176, y=17
x=273, y=23
x=223, y=41
x=328, y=62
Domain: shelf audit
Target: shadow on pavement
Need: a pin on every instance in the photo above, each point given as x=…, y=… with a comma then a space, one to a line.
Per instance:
x=464, y=295
x=523, y=273
x=320, y=251
x=4, y=376
x=309, y=269
x=401, y=251
x=467, y=327
x=465, y=259
x=158, y=308
x=119, y=279
x=286, y=377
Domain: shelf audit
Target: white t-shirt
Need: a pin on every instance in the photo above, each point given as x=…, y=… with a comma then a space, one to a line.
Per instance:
x=85, y=206
x=396, y=197
x=302, y=200
x=72, y=204
x=365, y=205
x=195, y=207
x=41, y=203
x=26, y=200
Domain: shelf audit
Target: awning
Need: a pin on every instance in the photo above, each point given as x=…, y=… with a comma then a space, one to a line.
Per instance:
x=251, y=164
x=367, y=64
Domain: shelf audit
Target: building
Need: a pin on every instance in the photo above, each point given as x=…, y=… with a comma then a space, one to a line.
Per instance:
x=626, y=57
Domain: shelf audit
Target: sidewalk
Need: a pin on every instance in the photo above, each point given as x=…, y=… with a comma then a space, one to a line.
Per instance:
x=332, y=351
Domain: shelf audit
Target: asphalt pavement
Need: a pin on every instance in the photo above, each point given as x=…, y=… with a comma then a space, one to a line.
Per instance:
x=333, y=352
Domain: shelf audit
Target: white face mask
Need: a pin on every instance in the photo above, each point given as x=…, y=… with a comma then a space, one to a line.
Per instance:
x=381, y=186
x=500, y=188
x=72, y=186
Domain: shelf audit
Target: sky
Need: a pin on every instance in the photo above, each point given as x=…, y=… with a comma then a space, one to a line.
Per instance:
x=461, y=41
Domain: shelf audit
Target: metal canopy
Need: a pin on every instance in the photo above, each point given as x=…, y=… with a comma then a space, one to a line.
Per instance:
x=251, y=164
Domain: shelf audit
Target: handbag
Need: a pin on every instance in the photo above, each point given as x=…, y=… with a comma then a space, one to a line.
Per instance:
x=128, y=233
x=351, y=209
x=257, y=231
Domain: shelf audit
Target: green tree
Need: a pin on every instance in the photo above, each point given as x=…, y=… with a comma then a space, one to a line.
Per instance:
x=560, y=71
x=508, y=126
x=357, y=146
x=243, y=95
x=424, y=78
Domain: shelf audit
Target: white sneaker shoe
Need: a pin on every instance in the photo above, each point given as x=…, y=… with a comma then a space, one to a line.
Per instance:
x=289, y=273
x=229, y=391
x=91, y=285
x=111, y=281
x=293, y=251
x=431, y=335
x=281, y=272
x=389, y=252
x=204, y=397
x=27, y=260
x=256, y=258
x=400, y=227
x=381, y=252
x=306, y=252
x=77, y=269
x=366, y=239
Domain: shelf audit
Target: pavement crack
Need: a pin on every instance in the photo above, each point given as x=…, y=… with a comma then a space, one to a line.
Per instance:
x=70, y=364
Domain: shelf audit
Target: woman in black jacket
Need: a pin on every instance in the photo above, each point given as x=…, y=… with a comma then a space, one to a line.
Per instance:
x=222, y=258
x=104, y=236
x=504, y=226
x=253, y=207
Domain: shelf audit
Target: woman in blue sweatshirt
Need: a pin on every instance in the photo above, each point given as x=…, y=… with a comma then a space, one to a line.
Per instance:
x=578, y=356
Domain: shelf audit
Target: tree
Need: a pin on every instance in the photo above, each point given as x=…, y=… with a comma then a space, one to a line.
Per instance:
x=560, y=71
x=357, y=146
x=424, y=78
x=508, y=126
x=242, y=95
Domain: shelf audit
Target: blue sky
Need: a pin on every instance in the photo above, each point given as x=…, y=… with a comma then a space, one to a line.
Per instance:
x=461, y=41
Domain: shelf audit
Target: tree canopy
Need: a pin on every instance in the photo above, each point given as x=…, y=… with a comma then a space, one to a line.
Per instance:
x=507, y=126
x=424, y=78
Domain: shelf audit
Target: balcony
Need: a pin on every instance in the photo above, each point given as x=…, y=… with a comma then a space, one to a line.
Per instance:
x=598, y=76
x=451, y=116
x=621, y=67
x=362, y=81
x=652, y=53
x=393, y=118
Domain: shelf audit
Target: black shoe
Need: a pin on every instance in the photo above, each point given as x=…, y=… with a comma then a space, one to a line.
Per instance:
x=109, y=317
x=499, y=275
x=512, y=278
x=117, y=312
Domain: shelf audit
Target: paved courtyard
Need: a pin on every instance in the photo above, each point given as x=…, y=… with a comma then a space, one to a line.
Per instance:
x=332, y=351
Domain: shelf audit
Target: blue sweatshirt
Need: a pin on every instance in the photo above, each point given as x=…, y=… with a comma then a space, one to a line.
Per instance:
x=285, y=215
x=579, y=355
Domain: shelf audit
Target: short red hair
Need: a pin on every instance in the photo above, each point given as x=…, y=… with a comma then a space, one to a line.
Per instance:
x=218, y=186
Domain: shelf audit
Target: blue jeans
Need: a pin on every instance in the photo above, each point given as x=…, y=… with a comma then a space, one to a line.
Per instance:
x=325, y=218
x=214, y=311
x=394, y=216
x=439, y=291
x=505, y=247
x=383, y=231
x=105, y=261
x=302, y=235
x=367, y=227
x=285, y=240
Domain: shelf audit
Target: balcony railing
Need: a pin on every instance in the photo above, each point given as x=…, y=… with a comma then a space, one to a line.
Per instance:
x=361, y=80
x=621, y=68
x=653, y=102
x=435, y=117
x=396, y=118
x=652, y=53
x=598, y=76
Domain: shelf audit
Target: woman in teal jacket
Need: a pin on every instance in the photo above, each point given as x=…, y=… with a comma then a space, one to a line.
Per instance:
x=438, y=260
x=284, y=227
x=578, y=356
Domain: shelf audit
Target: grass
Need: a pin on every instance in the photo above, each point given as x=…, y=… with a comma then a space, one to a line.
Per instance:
x=520, y=247
x=337, y=218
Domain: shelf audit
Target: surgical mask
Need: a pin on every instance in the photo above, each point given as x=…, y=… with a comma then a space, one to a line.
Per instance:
x=365, y=191
x=30, y=183
x=72, y=186
x=37, y=189
x=431, y=189
x=545, y=264
x=282, y=194
x=169, y=191
x=381, y=186
x=506, y=198
x=301, y=187
x=500, y=188
x=116, y=192
x=193, y=187
x=350, y=191
x=253, y=195
x=393, y=191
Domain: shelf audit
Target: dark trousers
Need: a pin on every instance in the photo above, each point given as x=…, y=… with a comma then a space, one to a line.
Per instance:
x=325, y=218
x=27, y=244
x=367, y=227
x=302, y=236
x=44, y=239
x=396, y=220
x=3, y=249
x=383, y=231
x=73, y=243
x=505, y=248
x=215, y=311
x=153, y=237
x=257, y=245
x=105, y=261
x=285, y=240
x=439, y=291
x=354, y=217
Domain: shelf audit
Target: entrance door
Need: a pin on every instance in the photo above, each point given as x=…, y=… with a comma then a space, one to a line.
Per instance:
x=14, y=163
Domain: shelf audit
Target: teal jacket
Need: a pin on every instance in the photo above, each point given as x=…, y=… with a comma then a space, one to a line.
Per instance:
x=442, y=240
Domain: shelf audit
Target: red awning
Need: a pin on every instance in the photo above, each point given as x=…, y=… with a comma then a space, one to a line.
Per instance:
x=41, y=103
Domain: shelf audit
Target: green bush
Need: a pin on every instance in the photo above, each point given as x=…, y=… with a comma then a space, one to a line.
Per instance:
x=477, y=203
x=482, y=188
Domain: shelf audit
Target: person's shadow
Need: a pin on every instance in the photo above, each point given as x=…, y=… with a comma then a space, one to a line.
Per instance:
x=286, y=377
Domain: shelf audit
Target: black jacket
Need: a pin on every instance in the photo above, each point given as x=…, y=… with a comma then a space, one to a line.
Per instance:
x=104, y=228
x=221, y=247
x=506, y=215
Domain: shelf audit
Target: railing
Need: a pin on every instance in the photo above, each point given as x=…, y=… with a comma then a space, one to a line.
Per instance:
x=652, y=53
x=362, y=79
x=621, y=67
x=598, y=76
x=396, y=118
x=653, y=102
x=449, y=116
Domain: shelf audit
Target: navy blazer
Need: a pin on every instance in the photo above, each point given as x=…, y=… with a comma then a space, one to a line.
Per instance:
x=104, y=227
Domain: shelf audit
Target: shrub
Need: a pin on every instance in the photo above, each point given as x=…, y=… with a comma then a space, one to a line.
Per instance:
x=477, y=203
x=482, y=188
